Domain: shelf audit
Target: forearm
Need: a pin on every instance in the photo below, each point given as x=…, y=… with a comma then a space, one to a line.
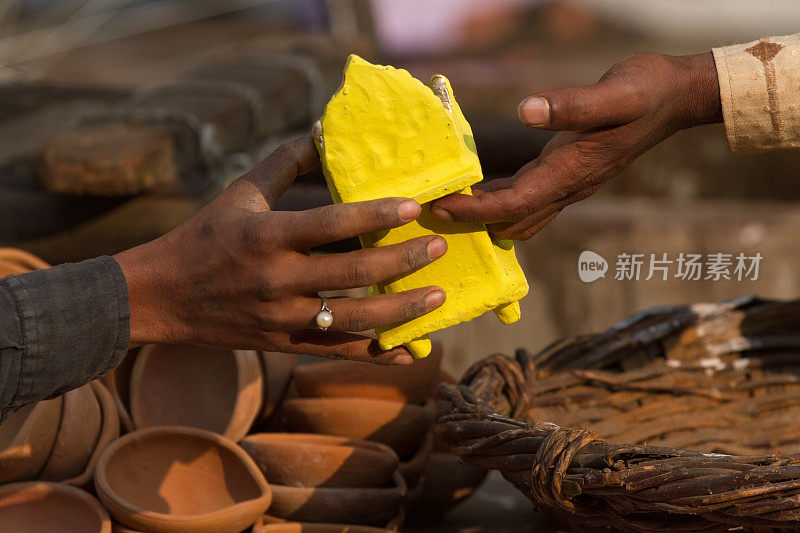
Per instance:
x=60, y=328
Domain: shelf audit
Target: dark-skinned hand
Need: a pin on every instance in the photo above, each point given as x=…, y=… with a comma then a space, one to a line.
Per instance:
x=601, y=129
x=239, y=275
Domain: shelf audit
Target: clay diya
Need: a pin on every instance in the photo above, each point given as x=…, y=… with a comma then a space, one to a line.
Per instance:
x=26, y=439
x=401, y=426
x=180, y=479
x=108, y=432
x=205, y=388
x=353, y=379
x=81, y=421
x=10, y=269
x=394, y=524
x=361, y=506
x=15, y=261
x=118, y=383
x=42, y=507
x=446, y=483
x=277, y=369
x=299, y=527
x=309, y=460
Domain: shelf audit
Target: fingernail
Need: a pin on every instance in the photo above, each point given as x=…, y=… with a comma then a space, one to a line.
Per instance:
x=403, y=360
x=434, y=299
x=408, y=209
x=534, y=111
x=441, y=213
x=436, y=248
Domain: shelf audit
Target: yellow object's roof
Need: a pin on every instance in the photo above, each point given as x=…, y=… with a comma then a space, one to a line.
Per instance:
x=389, y=135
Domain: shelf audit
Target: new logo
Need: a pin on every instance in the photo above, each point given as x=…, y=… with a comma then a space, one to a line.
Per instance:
x=591, y=266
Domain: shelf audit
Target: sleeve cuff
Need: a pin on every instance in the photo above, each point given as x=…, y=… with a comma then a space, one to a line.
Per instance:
x=75, y=326
x=760, y=92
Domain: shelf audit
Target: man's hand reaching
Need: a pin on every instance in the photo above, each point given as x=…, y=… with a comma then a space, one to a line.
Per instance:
x=239, y=275
x=601, y=128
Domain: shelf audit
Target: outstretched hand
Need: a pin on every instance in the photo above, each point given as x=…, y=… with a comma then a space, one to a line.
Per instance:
x=601, y=129
x=239, y=275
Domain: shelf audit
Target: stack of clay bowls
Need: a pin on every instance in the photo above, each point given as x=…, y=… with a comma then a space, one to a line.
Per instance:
x=175, y=479
x=391, y=405
x=42, y=507
x=15, y=261
x=224, y=391
x=59, y=439
x=328, y=480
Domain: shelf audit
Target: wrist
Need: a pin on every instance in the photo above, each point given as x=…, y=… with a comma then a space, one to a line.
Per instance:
x=698, y=95
x=151, y=321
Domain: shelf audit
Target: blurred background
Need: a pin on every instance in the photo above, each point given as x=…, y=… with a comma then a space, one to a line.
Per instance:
x=120, y=118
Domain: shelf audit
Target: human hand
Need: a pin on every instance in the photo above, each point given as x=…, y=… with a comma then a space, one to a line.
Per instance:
x=601, y=129
x=239, y=275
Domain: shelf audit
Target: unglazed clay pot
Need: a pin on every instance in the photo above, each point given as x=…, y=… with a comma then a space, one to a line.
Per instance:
x=205, y=388
x=309, y=460
x=362, y=506
x=353, y=379
x=27, y=438
x=15, y=261
x=446, y=483
x=277, y=369
x=41, y=507
x=181, y=480
x=118, y=383
x=399, y=425
x=394, y=524
x=109, y=431
x=299, y=527
x=81, y=422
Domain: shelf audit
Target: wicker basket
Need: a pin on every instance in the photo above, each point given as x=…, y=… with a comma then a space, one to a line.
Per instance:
x=676, y=419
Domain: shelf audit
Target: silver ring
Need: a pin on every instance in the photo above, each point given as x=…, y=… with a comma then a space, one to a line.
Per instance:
x=324, y=318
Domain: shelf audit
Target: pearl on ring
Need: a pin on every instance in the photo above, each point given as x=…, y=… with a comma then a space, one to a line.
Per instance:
x=324, y=318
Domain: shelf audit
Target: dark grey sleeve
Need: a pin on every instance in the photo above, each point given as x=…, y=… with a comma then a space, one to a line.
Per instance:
x=60, y=328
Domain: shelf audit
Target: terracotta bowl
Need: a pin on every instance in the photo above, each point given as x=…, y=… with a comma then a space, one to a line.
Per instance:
x=394, y=524
x=446, y=483
x=352, y=379
x=118, y=383
x=399, y=425
x=299, y=527
x=81, y=422
x=277, y=369
x=27, y=438
x=309, y=460
x=361, y=506
x=180, y=480
x=41, y=507
x=108, y=432
x=11, y=269
x=205, y=388
x=16, y=261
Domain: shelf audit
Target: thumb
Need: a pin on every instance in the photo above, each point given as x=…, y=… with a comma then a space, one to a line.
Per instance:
x=275, y=173
x=606, y=103
x=500, y=205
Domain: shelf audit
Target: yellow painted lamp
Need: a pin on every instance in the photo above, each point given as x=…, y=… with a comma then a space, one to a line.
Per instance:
x=385, y=134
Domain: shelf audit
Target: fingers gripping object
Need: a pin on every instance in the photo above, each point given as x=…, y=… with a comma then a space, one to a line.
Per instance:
x=385, y=134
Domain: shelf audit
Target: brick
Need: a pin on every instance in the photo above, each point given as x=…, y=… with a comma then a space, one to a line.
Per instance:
x=110, y=159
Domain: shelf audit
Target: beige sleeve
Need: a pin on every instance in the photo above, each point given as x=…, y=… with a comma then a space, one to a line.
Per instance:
x=759, y=85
